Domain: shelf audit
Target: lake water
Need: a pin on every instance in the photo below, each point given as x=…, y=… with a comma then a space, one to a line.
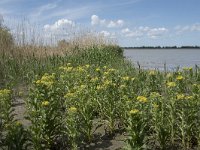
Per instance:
x=156, y=58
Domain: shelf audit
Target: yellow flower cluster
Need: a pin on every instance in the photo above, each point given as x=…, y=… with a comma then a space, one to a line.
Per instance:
x=111, y=70
x=46, y=79
x=171, y=84
x=18, y=123
x=187, y=68
x=122, y=86
x=155, y=95
x=155, y=106
x=133, y=111
x=99, y=87
x=142, y=99
x=4, y=92
x=67, y=69
x=80, y=69
x=45, y=103
x=97, y=69
x=95, y=79
x=180, y=96
x=152, y=72
x=179, y=77
x=69, y=95
x=132, y=79
x=73, y=109
x=189, y=97
x=107, y=83
x=87, y=66
x=125, y=78
x=106, y=73
x=169, y=75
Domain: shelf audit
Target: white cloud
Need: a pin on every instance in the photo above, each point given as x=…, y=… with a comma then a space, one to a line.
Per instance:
x=195, y=27
x=59, y=25
x=105, y=33
x=108, y=34
x=118, y=23
x=95, y=20
x=126, y=30
x=61, y=29
x=188, y=28
x=157, y=32
x=144, y=31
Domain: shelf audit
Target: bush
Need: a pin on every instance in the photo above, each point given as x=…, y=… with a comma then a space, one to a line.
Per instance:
x=6, y=39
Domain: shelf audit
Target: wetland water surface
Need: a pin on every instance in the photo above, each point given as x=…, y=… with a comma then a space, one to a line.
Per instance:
x=156, y=58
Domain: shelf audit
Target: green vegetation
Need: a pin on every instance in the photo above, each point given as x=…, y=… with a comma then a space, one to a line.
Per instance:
x=69, y=93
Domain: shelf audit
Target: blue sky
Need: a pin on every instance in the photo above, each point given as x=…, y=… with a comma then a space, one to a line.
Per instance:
x=130, y=22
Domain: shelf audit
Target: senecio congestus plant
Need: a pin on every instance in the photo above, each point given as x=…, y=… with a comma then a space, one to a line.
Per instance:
x=12, y=132
x=44, y=111
x=186, y=113
x=80, y=95
x=73, y=96
x=159, y=121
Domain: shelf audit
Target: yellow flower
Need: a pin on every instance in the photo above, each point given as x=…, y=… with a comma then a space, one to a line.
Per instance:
x=80, y=69
x=179, y=77
x=67, y=69
x=5, y=92
x=107, y=82
x=187, y=68
x=155, y=95
x=142, y=99
x=125, y=78
x=61, y=68
x=169, y=75
x=155, y=106
x=20, y=93
x=133, y=111
x=87, y=66
x=73, y=109
x=111, y=70
x=106, y=73
x=105, y=67
x=189, y=97
x=69, y=95
x=97, y=69
x=99, y=87
x=152, y=73
x=122, y=86
x=18, y=123
x=83, y=86
x=180, y=96
x=195, y=84
x=132, y=79
x=45, y=103
x=94, y=79
x=46, y=79
x=171, y=84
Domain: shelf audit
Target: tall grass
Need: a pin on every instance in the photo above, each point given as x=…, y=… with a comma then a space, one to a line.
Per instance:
x=21, y=58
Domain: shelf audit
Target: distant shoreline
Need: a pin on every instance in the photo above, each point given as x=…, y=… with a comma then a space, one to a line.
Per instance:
x=163, y=47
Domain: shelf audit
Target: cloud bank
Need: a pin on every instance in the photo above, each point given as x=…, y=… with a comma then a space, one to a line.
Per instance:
x=95, y=20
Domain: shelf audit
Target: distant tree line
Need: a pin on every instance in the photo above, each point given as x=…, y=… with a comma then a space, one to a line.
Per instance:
x=163, y=47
